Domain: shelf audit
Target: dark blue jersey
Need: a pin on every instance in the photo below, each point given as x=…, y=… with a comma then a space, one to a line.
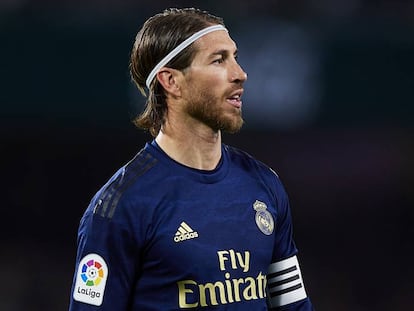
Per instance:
x=163, y=236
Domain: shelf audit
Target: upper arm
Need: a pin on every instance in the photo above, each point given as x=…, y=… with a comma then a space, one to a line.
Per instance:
x=106, y=264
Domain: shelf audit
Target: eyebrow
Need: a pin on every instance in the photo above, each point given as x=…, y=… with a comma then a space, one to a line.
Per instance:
x=223, y=52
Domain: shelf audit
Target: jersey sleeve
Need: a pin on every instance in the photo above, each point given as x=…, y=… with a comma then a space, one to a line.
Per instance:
x=285, y=286
x=106, y=262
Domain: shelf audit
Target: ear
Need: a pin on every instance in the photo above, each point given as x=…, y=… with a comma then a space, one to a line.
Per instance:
x=169, y=78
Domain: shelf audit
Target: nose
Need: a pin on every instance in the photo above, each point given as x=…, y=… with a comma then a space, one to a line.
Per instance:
x=238, y=74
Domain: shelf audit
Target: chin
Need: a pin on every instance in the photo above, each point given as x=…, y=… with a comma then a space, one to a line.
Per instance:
x=233, y=127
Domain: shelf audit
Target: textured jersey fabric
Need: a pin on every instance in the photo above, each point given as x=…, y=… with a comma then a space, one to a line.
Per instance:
x=171, y=237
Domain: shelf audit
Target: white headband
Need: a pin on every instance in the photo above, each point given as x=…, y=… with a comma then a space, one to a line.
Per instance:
x=179, y=48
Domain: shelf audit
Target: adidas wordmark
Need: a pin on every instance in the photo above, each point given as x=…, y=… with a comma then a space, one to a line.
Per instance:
x=185, y=232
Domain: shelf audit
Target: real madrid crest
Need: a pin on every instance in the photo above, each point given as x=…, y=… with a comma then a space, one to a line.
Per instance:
x=264, y=220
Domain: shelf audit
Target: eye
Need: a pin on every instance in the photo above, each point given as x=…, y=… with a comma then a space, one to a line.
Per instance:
x=218, y=60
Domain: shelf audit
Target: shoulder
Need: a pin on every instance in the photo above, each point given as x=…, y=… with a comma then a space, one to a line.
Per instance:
x=246, y=160
x=118, y=190
x=257, y=169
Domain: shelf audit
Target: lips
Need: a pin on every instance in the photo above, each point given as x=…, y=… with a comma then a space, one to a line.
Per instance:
x=235, y=99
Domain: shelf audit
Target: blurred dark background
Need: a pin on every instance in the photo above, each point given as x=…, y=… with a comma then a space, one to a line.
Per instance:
x=328, y=104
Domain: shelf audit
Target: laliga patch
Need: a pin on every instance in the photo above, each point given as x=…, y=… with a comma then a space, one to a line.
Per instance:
x=264, y=220
x=90, y=280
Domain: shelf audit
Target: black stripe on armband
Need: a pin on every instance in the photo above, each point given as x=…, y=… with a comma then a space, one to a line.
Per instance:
x=284, y=282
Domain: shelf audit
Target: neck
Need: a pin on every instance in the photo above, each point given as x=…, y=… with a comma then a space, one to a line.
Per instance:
x=196, y=146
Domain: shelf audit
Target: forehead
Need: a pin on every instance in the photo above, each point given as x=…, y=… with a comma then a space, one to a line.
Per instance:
x=213, y=41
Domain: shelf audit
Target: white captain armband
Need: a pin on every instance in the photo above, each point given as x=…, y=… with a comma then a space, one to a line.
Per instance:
x=284, y=283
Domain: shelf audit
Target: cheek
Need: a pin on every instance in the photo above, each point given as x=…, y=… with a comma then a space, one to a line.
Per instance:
x=210, y=75
x=213, y=85
x=206, y=83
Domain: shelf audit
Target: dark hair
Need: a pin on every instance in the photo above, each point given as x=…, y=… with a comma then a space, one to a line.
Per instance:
x=158, y=36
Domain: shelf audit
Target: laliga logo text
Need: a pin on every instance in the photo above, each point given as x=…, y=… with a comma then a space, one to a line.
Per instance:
x=89, y=292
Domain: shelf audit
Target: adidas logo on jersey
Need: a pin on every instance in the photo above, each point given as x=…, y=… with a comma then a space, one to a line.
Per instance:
x=185, y=232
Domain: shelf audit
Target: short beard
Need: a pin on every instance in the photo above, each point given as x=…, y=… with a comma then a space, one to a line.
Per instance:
x=204, y=109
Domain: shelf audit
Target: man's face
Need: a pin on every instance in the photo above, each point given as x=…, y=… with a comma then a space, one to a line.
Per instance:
x=213, y=83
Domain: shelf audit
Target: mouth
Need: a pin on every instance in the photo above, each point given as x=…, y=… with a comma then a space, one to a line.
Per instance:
x=235, y=98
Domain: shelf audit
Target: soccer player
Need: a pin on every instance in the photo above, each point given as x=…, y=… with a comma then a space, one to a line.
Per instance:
x=189, y=223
